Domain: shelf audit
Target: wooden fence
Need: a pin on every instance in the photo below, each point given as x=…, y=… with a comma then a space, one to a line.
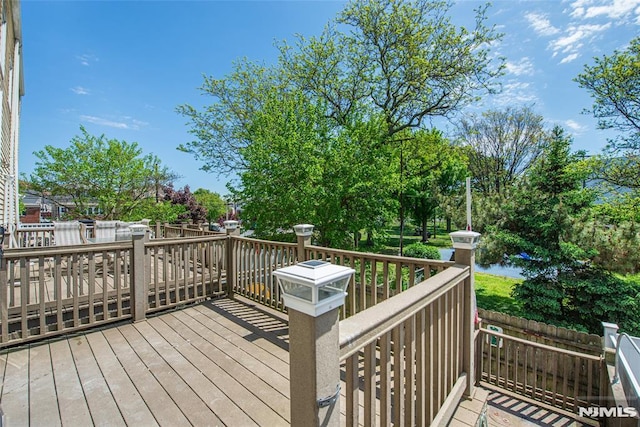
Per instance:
x=543, y=333
x=404, y=358
x=49, y=291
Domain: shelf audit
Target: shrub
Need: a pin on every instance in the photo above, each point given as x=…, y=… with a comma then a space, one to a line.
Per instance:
x=420, y=250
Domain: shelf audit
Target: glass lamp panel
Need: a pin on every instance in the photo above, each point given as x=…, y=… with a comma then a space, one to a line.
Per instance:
x=296, y=290
x=333, y=288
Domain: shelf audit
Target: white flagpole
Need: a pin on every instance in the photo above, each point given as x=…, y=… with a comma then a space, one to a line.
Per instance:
x=468, y=204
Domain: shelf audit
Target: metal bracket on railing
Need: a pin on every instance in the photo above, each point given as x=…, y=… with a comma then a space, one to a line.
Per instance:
x=330, y=400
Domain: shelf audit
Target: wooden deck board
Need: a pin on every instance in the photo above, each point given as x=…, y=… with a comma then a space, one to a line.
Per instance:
x=15, y=392
x=160, y=362
x=42, y=387
x=220, y=362
x=132, y=406
x=99, y=400
x=272, y=398
x=72, y=403
x=154, y=395
x=185, y=367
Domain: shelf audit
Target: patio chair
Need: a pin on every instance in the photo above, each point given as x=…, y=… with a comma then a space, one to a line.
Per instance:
x=68, y=233
x=122, y=230
x=105, y=231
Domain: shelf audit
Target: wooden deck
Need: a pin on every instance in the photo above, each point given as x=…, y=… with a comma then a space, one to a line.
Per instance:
x=222, y=362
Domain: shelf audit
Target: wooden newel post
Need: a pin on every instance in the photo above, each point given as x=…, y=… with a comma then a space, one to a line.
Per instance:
x=465, y=243
x=139, y=284
x=304, y=233
x=313, y=292
x=232, y=229
x=314, y=368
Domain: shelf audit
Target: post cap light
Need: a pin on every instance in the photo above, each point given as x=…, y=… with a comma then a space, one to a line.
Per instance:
x=138, y=229
x=230, y=224
x=303, y=230
x=313, y=287
x=465, y=239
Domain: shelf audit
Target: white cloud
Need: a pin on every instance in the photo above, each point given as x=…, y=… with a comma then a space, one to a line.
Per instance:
x=575, y=127
x=541, y=24
x=79, y=90
x=516, y=92
x=574, y=40
x=524, y=67
x=611, y=9
x=569, y=58
x=122, y=123
x=86, y=59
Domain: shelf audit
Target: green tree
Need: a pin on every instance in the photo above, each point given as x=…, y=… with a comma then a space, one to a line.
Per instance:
x=299, y=170
x=614, y=84
x=560, y=277
x=404, y=60
x=434, y=168
x=212, y=202
x=112, y=173
x=223, y=129
x=501, y=146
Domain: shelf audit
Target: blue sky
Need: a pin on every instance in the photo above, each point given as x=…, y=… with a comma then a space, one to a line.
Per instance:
x=120, y=68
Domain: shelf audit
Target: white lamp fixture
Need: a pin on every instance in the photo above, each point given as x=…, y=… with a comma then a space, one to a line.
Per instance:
x=138, y=229
x=313, y=287
x=464, y=239
x=230, y=224
x=303, y=230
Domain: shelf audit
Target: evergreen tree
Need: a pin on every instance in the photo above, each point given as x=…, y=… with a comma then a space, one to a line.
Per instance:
x=561, y=285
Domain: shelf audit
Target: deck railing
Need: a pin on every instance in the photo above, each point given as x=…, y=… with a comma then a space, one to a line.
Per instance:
x=184, y=270
x=46, y=291
x=404, y=358
x=554, y=376
x=378, y=277
x=49, y=291
x=253, y=262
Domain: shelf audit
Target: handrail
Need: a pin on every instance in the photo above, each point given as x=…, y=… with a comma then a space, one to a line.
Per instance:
x=180, y=240
x=541, y=346
x=616, y=377
x=382, y=257
x=366, y=326
x=267, y=242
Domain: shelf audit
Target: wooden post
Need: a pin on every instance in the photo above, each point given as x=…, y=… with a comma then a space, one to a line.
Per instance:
x=303, y=231
x=157, y=231
x=231, y=261
x=314, y=368
x=467, y=257
x=139, y=285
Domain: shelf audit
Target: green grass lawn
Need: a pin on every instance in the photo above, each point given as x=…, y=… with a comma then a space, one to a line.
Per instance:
x=494, y=293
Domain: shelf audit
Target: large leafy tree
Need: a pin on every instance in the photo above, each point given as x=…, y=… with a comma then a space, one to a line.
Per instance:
x=299, y=170
x=561, y=285
x=614, y=84
x=405, y=60
x=501, y=146
x=434, y=168
x=94, y=169
x=193, y=210
x=396, y=64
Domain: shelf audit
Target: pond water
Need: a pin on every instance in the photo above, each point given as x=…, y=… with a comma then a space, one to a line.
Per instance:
x=497, y=269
